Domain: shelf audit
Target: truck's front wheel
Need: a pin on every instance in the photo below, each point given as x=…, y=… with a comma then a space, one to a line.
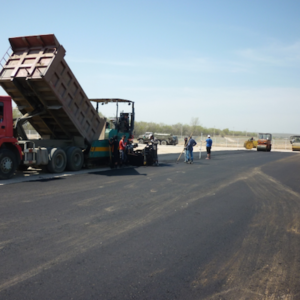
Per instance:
x=8, y=164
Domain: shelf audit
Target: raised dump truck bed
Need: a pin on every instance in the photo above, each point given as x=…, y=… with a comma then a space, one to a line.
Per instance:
x=40, y=82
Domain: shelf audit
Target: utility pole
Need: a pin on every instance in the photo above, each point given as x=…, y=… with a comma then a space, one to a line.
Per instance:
x=200, y=146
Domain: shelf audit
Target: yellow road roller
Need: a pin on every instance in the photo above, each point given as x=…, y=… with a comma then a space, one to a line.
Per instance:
x=295, y=141
x=251, y=143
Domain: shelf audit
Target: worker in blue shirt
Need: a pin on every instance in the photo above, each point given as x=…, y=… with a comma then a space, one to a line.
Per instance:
x=208, y=146
x=191, y=143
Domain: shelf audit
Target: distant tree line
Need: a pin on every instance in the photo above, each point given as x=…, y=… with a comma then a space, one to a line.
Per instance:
x=180, y=129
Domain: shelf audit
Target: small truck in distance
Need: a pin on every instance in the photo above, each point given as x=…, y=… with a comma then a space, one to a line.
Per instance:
x=161, y=138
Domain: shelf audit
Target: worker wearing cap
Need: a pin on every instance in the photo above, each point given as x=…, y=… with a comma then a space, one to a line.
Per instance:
x=208, y=146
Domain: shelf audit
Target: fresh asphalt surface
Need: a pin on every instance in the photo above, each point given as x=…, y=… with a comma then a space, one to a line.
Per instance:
x=228, y=228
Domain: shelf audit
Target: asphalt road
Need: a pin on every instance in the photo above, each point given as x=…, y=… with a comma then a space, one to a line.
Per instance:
x=228, y=228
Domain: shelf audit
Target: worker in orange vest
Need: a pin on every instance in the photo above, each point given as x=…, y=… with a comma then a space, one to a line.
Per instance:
x=122, y=146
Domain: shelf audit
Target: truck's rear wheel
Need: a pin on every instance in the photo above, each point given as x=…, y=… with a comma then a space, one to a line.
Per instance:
x=74, y=159
x=163, y=142
x=8, y=164
x=57, y=160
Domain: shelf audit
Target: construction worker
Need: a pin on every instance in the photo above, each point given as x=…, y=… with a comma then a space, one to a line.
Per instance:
x=190, y=146
x=208, y=146
x=114, y=144
x=122, y=146
x=124, y=123
x=154, y=150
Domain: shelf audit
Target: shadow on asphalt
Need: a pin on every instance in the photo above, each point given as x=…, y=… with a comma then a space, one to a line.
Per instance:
x=129, y=171
x=119, y=172
x=46, y=179
x=162, y=165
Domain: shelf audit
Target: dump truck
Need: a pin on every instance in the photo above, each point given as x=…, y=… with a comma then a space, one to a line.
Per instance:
x=166, y=139
x=36, y=77
x=250, y=144
x=264, y=142
x=145, y=138
x=295, y=141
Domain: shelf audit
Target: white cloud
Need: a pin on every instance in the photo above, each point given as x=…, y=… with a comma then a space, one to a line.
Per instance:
x=102, y=62
x=274, y=54
x=192, y=64
x=256, y=109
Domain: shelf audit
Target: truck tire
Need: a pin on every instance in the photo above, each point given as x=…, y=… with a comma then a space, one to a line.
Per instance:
x=74, y=159
x=57, y=160
x=8, y=164
x=164, y=142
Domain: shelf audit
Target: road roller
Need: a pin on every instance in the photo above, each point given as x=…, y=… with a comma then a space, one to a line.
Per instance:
x=251, y=143
x=295, y=141
x=264, y=142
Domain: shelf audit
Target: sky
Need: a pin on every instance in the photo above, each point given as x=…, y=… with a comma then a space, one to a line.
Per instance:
x=231, y=64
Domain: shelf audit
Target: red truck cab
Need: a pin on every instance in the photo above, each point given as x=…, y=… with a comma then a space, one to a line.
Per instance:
x=10, y=150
